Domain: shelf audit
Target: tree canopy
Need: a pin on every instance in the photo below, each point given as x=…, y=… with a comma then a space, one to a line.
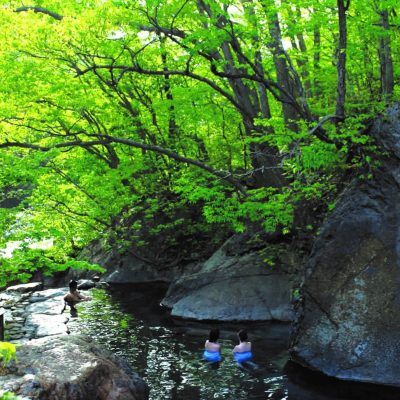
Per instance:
x=114, y=111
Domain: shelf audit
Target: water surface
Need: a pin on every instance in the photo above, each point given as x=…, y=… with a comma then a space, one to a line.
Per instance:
x=167, y=355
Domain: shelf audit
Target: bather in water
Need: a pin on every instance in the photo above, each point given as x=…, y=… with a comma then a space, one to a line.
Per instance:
x=212, y=349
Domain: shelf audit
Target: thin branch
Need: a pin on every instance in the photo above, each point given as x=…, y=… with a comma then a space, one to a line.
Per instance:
x=165, y=31
x=137, y=69
x=175, y=16
x=79, y=214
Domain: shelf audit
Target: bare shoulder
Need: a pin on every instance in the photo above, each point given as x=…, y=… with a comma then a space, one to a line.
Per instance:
x=211, y=346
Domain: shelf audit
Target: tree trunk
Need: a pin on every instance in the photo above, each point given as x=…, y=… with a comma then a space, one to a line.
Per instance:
x=253, y=99
x=317, y=61
x=341, y=63
x=385, y=58
x=300, y=46
x=282, y=69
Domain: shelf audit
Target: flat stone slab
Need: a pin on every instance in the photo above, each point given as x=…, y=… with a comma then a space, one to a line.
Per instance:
x=26, y=287
x=51, y=306
x=47, y=325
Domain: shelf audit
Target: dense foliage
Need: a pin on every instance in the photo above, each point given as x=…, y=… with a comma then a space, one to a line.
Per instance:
x=118, y=110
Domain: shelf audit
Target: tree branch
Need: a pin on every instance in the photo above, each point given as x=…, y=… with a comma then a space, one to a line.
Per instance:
x=128, y=142
x=40, y=10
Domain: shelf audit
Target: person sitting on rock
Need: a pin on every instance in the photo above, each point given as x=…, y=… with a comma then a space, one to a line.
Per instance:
x=73, y=298
x=242, y=352
x=212, y=348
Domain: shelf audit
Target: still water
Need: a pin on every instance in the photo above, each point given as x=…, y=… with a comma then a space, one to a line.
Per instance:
x=129, y=322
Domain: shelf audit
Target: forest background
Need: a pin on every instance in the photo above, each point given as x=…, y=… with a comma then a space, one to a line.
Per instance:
x=123, y=120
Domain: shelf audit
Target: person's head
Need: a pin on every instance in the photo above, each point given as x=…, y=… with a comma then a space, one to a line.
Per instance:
x=214, y=335
x=242, y=334
x=73, y=285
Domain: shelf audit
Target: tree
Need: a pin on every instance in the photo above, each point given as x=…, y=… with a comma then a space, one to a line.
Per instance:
x=111, y=111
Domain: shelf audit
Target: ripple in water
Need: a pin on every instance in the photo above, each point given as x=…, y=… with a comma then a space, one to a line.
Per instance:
x=169, y=361
x=132, y=325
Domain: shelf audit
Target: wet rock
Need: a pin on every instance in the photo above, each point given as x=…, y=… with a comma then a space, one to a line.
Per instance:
x=10, y=297
x=134, y=271
x=350, y=325
x=71, y=367
x=102, y=285
x=27, y=287
x=47, y=325
x=17, y=336
x=85, y=284
x=47, y=294
x=51, y=306
x=234, y=284
x=11, y=325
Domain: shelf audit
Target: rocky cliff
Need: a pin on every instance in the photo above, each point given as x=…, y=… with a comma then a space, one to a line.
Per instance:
x=350, y=325
x=238, y=284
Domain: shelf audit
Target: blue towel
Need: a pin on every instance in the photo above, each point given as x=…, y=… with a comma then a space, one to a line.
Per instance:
x=244, y=356
x=212, y=356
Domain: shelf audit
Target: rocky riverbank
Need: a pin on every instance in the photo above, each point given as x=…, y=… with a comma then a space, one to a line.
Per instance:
x=51, y=363
x=246, y=279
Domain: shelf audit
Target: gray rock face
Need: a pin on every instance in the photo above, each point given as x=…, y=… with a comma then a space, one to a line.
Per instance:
x=157, y=261
x=350, y=328
x=24, y=288
x=235, y=284
x=71, y=367
x=134, y=270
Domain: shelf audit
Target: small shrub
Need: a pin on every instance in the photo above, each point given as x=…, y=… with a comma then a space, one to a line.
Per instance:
x=8, y=396
x=7, y=353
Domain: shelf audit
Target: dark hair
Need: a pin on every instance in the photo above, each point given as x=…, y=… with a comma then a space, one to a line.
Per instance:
x=242, y=335
x=214, y=335
x=73, y=284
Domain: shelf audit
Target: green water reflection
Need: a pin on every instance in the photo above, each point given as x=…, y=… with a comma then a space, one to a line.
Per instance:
x=168, y=360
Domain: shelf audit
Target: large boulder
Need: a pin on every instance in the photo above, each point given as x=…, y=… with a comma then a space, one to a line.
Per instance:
x=350, y=324
x=71, y=367
x=24, y=288
x=236, y=284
